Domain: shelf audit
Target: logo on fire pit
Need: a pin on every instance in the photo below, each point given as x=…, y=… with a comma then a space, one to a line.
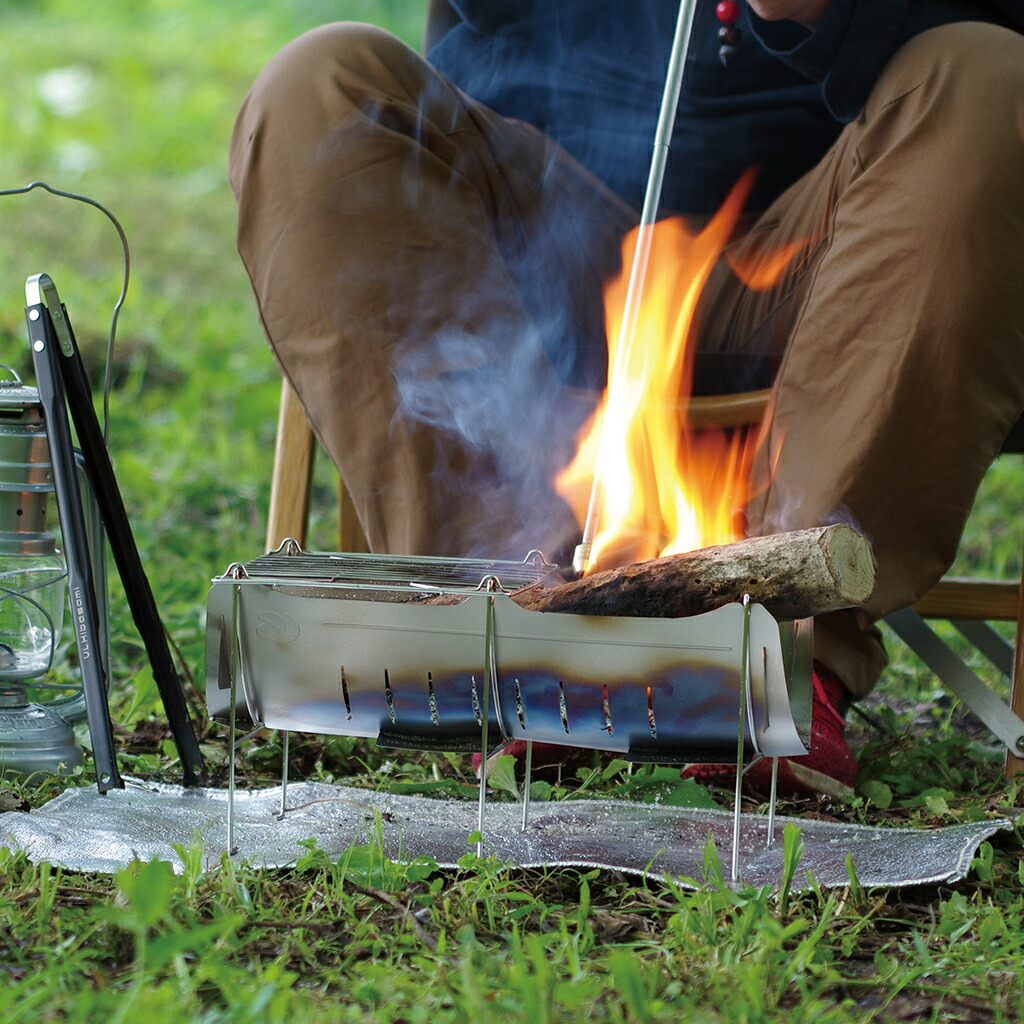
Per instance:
x=276, y=628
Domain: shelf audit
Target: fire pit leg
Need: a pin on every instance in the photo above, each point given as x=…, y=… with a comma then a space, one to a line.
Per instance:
x=234, y=662
x=482, y=791
x=231, y=776
x=741, y=738
x=490, y=678
x=231, y=772
x=284, y=773
x=773, y=797
x=527, y=779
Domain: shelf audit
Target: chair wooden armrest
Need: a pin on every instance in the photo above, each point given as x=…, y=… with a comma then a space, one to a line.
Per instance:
x=740, y=410
x=958, y=597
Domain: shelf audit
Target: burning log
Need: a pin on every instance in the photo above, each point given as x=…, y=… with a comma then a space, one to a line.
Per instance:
x=794, y=575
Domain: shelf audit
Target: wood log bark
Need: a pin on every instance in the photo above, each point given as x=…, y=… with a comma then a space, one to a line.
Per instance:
x=794, y=575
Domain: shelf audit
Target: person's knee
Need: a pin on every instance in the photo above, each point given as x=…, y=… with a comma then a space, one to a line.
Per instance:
x=967, y=76
x=343, y=53
x=945, y=123
x=980, y=69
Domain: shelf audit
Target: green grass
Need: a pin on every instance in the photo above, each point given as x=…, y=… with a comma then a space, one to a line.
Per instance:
x=192, y=423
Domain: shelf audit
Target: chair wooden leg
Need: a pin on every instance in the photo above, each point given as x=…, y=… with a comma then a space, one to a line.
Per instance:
x=293, y=469
x=1013, y=763
x=350, y=531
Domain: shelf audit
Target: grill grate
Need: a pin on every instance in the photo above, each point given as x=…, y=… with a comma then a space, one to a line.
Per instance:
x=389, y=571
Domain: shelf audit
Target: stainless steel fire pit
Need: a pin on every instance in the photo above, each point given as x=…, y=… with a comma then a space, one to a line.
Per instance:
x=416, y=652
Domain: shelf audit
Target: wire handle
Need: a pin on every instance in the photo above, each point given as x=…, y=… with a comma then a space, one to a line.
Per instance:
x=108, y=373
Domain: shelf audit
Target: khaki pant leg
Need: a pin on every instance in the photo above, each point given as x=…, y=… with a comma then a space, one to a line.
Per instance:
x=901, y=328
x=415, y=259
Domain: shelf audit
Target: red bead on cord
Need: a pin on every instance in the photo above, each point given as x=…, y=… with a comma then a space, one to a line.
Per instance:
x=729, y=33
x=728, y=11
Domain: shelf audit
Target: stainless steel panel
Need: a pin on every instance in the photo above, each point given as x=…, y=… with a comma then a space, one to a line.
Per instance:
x=321, y=654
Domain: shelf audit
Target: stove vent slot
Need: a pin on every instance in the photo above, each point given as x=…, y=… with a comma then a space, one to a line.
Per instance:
x=476, y=702
x=563, y=711
x=389, y=697
x=345, y=695
x=432, y=701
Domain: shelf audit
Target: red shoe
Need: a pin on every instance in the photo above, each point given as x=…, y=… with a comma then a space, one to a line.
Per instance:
x=830, y=769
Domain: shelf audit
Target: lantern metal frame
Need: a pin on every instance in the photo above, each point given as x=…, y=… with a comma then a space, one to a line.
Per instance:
x=37, y=734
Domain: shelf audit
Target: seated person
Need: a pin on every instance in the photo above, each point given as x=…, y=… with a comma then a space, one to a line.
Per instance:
x=428, y=239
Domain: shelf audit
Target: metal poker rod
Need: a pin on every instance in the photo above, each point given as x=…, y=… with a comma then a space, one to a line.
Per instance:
x=641, y=257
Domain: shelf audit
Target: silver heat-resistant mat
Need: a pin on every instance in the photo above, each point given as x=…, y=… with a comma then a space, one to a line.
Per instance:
x=82, y=830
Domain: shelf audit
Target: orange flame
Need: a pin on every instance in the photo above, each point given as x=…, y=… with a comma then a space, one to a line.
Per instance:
x=662, y=487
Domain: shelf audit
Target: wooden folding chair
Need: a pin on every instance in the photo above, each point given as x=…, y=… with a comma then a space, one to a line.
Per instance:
x=292, y=481
x=970, y=604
